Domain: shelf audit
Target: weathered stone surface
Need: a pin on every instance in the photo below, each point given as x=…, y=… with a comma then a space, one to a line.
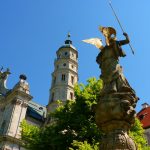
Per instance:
x=117, y=140
x=115, y=112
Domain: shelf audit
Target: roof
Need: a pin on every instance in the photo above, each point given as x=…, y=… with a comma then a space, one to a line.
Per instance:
x=144, y=117
x=36, y=111
x=68, y=46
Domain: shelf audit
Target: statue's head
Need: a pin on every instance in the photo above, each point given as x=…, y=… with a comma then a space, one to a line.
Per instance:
x=108, y=32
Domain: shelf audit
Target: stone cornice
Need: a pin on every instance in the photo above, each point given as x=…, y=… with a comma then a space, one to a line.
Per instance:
x=58, y=61
x=11, y=139
x=16, y=96
x=68, y=48
x=65, y=69
x=15, y=93
x=58, y=85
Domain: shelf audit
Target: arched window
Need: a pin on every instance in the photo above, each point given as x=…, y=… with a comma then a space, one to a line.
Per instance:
x=71, y=95
x=63, y=77
x=72, y=79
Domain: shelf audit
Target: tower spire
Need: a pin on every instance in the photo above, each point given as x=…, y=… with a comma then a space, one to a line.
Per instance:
x=68, y=41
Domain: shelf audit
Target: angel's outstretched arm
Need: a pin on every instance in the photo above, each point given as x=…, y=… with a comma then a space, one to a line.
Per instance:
x=126, y=41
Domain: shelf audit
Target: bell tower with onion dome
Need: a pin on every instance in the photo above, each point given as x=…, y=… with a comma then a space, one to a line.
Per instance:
x=65, y=74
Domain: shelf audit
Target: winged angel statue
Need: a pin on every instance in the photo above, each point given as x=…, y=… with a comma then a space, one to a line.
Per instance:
x=108, y=60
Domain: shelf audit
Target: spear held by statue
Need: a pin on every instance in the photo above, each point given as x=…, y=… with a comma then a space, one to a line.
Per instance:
x=119, y=23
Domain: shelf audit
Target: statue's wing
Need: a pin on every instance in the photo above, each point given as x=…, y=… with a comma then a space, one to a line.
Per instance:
x=94, y=41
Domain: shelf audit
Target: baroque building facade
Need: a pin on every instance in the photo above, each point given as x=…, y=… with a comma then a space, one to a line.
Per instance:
x=16, y=104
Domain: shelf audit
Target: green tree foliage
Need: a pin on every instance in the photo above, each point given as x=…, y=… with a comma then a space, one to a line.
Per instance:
x=30, y=134
x=137, y=133
x=84, y=146
x=74, y=124
x=73, y=121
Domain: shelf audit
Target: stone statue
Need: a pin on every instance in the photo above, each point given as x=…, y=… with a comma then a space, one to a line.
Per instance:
x=3, y=80
x=108, y=60
x=114, y=112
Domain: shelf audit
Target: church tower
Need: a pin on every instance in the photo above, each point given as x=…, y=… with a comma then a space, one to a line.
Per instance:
x=65, y=74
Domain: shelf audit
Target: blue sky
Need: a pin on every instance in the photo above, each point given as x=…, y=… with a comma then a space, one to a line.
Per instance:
x=31, y=31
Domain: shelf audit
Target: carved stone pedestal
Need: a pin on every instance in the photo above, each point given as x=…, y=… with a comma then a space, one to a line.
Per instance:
x=117, y=140
x=115, y=115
